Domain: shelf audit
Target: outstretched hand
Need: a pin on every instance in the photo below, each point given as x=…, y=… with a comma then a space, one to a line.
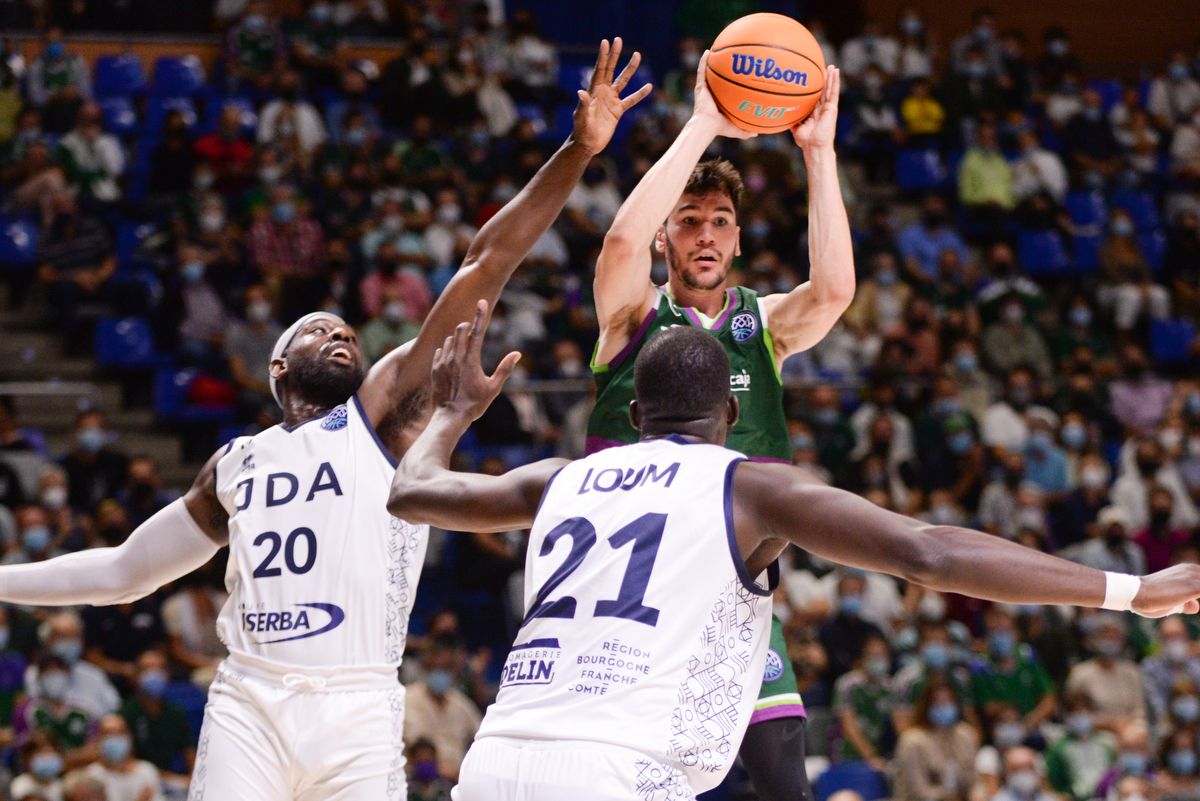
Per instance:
x=704, y=106
x=601, y=106
x=1169, y=592
x=818, y=129
x=459, y=383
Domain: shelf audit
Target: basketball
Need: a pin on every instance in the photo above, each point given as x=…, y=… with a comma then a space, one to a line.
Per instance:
x=766, y=72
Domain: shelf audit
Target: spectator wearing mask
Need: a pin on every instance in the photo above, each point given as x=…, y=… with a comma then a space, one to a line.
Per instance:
x=935, y=663
x=227, y=152
x=190, y=619
x=51, y=714
x=1005, y=424
x=389, y=329
x=1037, y=171
x=95, y=469
x=1159, y=540
x=880, y=300
x=845, y=633
x=1023, y=777
x=1057, y=60
x=871, y=48
x=1078, y=328
x=878, y=128
x=94, y=160
x=1173, y=665
x=35, y=537
x=1112, y=550
x=76, y=263
x=862, y=705
x=1140, y=398
x=254, y=49
x=1129, y=290
x=425, y=781
x=160, y=729
x=1012, y=341
x=291, y=122
x=1045, y=462
x=124, y=777
x=834, y=436
x=86, y=687
x=1078, y=511
x=972, y=93
x=173, y=160
x=352, y=100
x=1181, y=262
x=882, y=403
x=1088, y=140
x=1011, y=675
x=916, y=50
x=983, y=39
x=922, y=242
x=1174, y=94
x=288, y=246
x=58, y=82
x=1142, y=144
x=1134, y=758
x=1177, y=756
x=43, y=769
x=203, y=319
x=318, y=46
x=923, y=115
x=985, y=180
x=1076, y=763
x=248, y=347
x=935, y=758
x=439, y=711
x=1112, y=682
x=1185, y=150
x=143, y=494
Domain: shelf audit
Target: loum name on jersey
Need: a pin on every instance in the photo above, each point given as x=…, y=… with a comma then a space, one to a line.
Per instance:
x=307, y=620
x=613, y=479
x=283, y=488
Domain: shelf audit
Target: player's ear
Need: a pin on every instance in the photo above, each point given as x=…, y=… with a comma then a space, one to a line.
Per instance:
x=635, y=415
x=660, y=239
x=734, y=411
x=277, y=368
x=737, y=242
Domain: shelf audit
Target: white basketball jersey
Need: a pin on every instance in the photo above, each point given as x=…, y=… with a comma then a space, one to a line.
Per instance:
x=320, y=574
x=643, y=628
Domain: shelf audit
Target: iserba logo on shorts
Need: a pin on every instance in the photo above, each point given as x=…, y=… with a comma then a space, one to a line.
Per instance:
x=308, y=621
x=744, y=64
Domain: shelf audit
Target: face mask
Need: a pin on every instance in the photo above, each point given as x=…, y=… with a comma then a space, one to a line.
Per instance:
x=1058, y=47
x=943, y=716
x=55, y=51
x=1109, y=648
x=1093, y=477
x=1074, y=436
x=439, y=681
x=877, y=667
x=1020, y=397
x=449, y=214
x=1024, y=783
x=46, y=766
x=1001, y=644
x=256, y=22
x=1040, y=441
x=803, y=442
x=1008, y=734
x=1132, y=763
x=966, y=362
x=393, y=312
x=885, y=277
x=960, y=442
x=1177, y=650
x=68, y=650
x=259, y=311
x=1014, y=314
x=153, y=683
x=35, y=539
x=1147, y=467
x=983, y=33
x=943, y=514
x=826, y=416
x=1192, y=402
x=690, y=59
x=873, y=82
x=758, y=230
x=320, y=13
x=204, y=180
x=479, y=137
x=283, y=212
x=1080, y=724
x=1092, y=113
x=91, y=439
x=1178, y=72
x=850, y=605
x=571, y=368
x=1182, y=762
x=355, y=137
x=211, y=222
x=425, y=771
x=1122, y=227
x=912, y=26
x=1170, y=438
x=393, y=223
x=976, y=70
x=1185, y=708
x=192, y=272
x=944, y=407
x=270, y=174
x=935, y=655
x=1081, y=316
x=54, y=685
x=114, y=748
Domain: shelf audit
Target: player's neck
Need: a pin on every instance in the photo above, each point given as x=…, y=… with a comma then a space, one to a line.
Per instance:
x=709, y=302
x=301, y=411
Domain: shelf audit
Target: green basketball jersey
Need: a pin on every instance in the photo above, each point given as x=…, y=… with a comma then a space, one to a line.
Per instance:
x=761, y=431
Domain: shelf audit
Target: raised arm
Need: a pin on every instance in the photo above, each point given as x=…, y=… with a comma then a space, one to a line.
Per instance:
x=181, y=537
x=624, y=294
x=780, y=504
x=424, y=489
x=396, y=383
x=801, y=318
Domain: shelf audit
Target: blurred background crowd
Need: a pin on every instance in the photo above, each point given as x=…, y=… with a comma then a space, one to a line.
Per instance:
x=1020, y=357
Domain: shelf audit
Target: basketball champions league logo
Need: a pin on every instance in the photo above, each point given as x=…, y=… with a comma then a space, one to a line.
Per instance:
x=336, y=420
x=743, y=326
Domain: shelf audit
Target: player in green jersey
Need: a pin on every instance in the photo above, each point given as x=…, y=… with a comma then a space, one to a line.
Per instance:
x=688, y=213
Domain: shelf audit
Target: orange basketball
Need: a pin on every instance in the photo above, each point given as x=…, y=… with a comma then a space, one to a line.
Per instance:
x=766, y=72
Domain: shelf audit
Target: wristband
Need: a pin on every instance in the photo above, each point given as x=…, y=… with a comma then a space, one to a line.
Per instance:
x=1119, y=591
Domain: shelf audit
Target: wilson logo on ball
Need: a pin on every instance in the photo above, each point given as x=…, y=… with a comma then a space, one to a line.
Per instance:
x=767, y=68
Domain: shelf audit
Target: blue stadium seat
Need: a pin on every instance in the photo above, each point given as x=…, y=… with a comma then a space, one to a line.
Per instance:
x=18, y=242
x=130, y=237
x=1042, y=252
x=1109, y=90
x=126, y=343
x=191, y=699
x=919, y=170
x=1086, y=208
x=171, y=404
x=856, y=776
x=156, y=114
x=119, y=115
x=1171, y=340
x=1154, y=248
x=1086, y=252
x=1141, y=208
x=178, y=76
x=118, y=76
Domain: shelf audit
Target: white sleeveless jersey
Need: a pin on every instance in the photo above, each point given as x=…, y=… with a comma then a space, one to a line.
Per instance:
x=320, y=574
x=643, y=628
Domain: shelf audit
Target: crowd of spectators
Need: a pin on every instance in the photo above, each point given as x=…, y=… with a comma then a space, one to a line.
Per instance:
x=968, y=384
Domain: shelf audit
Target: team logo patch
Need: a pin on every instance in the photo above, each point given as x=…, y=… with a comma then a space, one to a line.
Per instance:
x=336, y=420
x=774, y=666
x=744, y=326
